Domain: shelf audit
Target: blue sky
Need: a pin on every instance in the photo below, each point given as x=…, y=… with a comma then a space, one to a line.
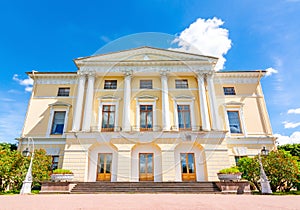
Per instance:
x=48, y=35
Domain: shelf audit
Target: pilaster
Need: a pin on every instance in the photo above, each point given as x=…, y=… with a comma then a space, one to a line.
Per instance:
x=88, y=108
x=126, y=125
x=203, y=103
x=213, y=102
x=165, y=102
x=79, y=102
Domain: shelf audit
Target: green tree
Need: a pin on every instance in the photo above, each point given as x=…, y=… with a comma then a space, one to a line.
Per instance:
x=13, y=168
x=281, y=169
x=250, y=169
x=294, y=149
x=41, y=167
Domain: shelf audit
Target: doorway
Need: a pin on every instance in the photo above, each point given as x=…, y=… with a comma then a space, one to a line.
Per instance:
x=188, y=170
x=104, y=167
x=146, y=167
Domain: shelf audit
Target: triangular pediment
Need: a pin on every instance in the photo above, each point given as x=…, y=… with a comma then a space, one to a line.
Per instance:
x=145, y=54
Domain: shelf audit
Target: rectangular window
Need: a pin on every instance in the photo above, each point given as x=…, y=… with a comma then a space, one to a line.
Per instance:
x=63, y=91
x=234, y=122
x=146, y=117
x=184, y=117
x=54, y=164
x=237, y=158
x=229, y=90
x=108, y=118
x=58, y=122
x=110, y=84
x=145, y=84
x=181, y=83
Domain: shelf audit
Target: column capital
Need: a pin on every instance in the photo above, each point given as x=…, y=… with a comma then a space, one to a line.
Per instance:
x=164, y=73
x=128, y=73
x=91, y=74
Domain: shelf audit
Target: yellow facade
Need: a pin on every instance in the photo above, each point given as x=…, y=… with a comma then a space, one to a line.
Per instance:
x=105, y=126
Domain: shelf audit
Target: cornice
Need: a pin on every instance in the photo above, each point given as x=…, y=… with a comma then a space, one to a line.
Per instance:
x=148, y=69
x=56, y=79
x=246, y=77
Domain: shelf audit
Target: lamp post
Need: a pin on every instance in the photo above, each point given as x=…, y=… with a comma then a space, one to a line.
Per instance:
x=265, y=183
x=26, y=187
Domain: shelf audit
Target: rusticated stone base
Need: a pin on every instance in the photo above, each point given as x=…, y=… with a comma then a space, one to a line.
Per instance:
x=57, y=187
x=240, y=187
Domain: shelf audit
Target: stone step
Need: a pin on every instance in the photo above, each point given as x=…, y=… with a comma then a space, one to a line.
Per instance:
x=146, y=187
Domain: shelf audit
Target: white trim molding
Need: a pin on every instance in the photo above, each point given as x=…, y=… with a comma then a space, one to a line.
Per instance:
x=238, y=107
x=108, y=100
x=184, y=100
x=58, y=106
x=146, y=100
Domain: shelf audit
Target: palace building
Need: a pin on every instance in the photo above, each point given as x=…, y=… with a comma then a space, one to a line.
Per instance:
x=147, y=114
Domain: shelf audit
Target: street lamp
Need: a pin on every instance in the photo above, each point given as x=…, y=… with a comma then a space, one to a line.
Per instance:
x=26, y=187
x=265, y=183
x=264, y=151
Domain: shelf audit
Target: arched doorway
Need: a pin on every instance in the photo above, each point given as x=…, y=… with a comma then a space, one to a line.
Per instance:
x=190, y=164
x=146, y=163
x=103, y=159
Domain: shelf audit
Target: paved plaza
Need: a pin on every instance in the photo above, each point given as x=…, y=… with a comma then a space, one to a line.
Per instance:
x=147, y=201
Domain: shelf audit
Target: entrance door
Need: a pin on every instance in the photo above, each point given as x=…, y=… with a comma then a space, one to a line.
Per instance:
x=104, y=167
x=188, y=170
x=146, y=167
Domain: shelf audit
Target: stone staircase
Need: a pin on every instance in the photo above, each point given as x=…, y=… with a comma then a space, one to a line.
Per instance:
x=145, y=187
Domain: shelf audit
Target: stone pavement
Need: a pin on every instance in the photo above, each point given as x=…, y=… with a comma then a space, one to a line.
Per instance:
x=147, y=201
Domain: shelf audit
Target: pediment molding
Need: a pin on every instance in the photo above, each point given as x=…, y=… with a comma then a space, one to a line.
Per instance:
x=150, y=53
x=60, y=103
x=109, y=97
x=146, y=97
x=184, y=98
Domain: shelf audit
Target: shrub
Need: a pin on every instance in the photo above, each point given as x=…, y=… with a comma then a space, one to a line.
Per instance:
x=280, y=167
x=62, y=171
x=231, y=170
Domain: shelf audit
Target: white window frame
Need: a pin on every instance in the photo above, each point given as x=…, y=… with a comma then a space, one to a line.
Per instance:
x=57, y=107
x=235, y=107
x=185, y=100
x=112, y=101
x=146, y=100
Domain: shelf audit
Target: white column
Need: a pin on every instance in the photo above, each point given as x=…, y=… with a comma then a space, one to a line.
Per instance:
x=213, y=103
x=126, y=126
x=88, y=108
x=203, y=103
x=78, y=108
x=165, y=102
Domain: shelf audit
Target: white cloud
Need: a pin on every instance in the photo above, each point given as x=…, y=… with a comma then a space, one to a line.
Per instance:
x=291, y=124
x=207, y=37
x=271, y=71
x=294, y=111
x=293, y=139
x=25, y=82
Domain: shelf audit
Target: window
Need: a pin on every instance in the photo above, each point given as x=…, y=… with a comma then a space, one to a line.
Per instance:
x=54, y=164
x=184, y=118
x=234, y=122
x=181, y=83
x=110, y=84
x=63, y=91
x=229, y=90
x=146, y=117
x=58, y=122
x=145, y=84
x=237, y=158
x=108, y=117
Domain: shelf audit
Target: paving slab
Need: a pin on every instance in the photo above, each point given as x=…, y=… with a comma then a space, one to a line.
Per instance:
x=147, y=201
